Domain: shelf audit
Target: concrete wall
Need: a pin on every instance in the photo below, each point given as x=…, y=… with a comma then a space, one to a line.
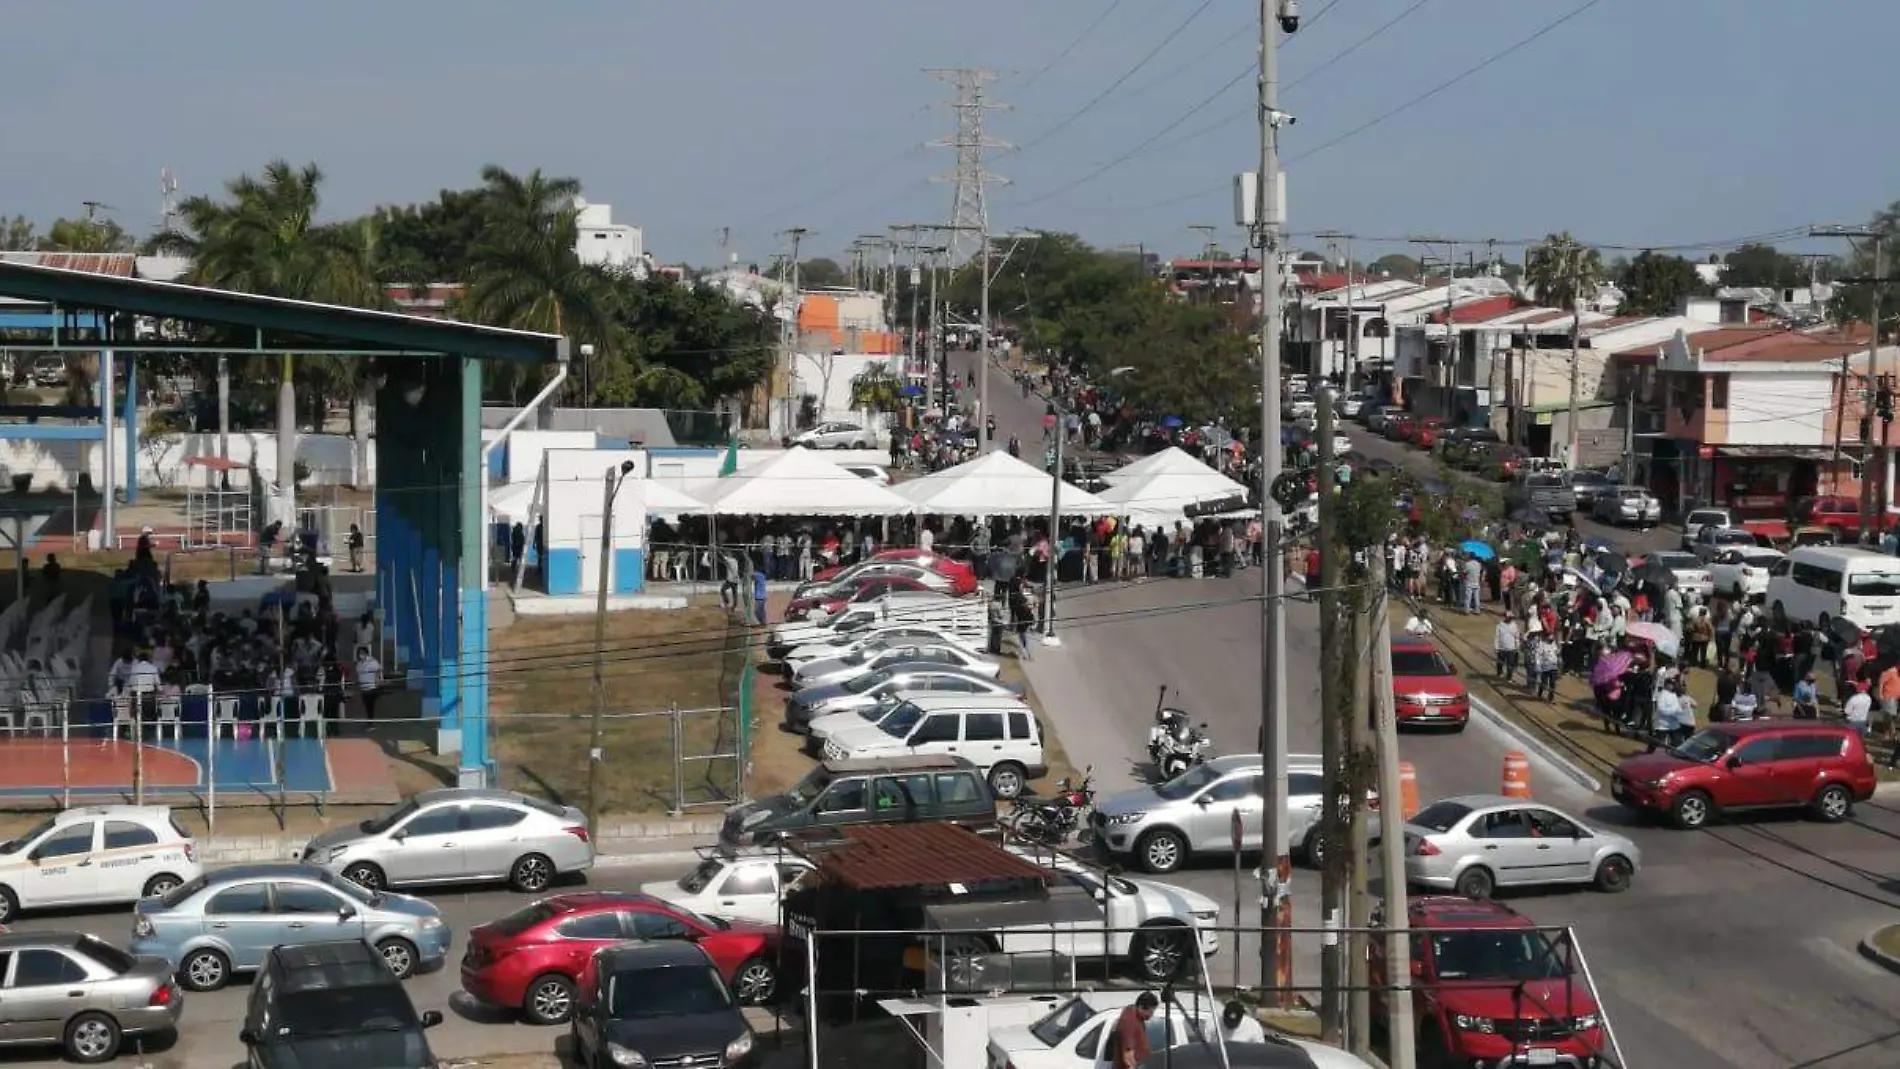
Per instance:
x=524, y=449
x=573, y=485
x=331, y=459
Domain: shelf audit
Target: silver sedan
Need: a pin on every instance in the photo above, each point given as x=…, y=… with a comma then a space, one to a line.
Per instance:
x=459, y=835
x=1477, y=843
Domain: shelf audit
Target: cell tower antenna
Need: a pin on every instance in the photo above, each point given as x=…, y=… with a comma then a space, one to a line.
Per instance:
x=167, y=191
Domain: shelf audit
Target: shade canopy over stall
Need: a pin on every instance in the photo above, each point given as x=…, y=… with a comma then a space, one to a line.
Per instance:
x=1172, y=485
x=997, y=484
x=795, y=483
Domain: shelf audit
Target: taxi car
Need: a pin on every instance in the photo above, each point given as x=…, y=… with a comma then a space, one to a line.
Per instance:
x=95, y=855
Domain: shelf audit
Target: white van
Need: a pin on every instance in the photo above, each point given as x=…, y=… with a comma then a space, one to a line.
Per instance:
x=1818, y=584
x=966, y=618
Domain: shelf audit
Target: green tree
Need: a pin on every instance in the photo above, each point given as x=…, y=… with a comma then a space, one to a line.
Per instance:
x=523, y=273
x=433, y=241
x=1656, y=283
x=1394, y=265
x=1762, y=265
x=18, y=234
x=1853, y=301
x=87, y=235
x=684, y=346
x=820, y=272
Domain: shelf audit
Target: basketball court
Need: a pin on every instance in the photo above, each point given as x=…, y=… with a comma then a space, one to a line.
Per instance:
x=38, y=768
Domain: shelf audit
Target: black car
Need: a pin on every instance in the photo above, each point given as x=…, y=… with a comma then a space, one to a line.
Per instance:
x=659, y=1004
x=333, y=1006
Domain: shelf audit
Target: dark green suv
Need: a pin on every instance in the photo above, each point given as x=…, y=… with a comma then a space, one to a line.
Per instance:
x=333, y=1006
x=837, y=794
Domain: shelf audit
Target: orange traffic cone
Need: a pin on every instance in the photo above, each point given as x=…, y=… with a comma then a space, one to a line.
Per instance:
x=1408, y=789
x=1517, y=775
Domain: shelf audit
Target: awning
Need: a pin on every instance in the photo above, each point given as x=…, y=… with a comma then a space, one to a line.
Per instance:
x=1784, y=452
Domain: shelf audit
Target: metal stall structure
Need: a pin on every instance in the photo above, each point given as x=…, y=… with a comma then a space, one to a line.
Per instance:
x=430, y=515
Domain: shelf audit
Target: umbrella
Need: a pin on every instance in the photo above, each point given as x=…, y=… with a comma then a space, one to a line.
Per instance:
x=1657, y=635
x=1171, y=422
x=1613, y=562
x=1597, y=545
x=1584, y=581
x=1479, y=550
x=1610, y=666
x=1656, y=573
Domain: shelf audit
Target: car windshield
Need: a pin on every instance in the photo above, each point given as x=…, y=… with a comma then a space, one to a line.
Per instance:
x=1704, y=746
x=14, y=846
x=522, y=919
x=901, y=720
x=1189, y=783
x=1734, y=536
x=1760, y=560
x=1674, y=561
x=1592, y=478
x=667, y=991
x=1873, y=585
x=1062, y=1022
x=1419, y=663
x=1520, y=954
x=1718, y=519
x=345, y=1011
x=867, y=681
x=1543, y=481
x=807, y=790
x=389, y=819
x=702, y=876
x=1441, y=816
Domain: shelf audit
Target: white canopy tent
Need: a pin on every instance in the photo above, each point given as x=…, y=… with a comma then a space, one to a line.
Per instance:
x=1174, y=485
x=796, y=483
x=997, y=484
x=513, y=502
x=1170, y=461
x=521, y=502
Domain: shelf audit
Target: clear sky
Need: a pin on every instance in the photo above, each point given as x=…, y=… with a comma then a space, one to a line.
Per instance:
x=1636, y=122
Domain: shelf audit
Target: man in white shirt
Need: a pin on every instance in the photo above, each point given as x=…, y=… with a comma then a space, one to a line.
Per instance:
x=1239, y=1026
x=369, y=676
x=1858, y=707
x=925, y=539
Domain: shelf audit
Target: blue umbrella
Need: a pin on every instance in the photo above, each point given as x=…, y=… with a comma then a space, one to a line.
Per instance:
x=1479, y=550
x=1172, y=422
x=912, y=391
x=1595, y=545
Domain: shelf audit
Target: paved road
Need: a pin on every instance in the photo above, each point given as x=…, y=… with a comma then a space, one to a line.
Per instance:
x=1736, y=947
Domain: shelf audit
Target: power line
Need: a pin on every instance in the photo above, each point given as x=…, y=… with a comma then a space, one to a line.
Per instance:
x=1119, y=82
x=1073, y=45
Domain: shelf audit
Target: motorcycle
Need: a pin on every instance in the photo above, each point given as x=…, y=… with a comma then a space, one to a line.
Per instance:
x=1050, y=821
x=1175, y=742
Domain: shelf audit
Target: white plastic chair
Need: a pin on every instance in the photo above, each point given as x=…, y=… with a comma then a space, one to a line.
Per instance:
x=171, y=714
x=122, y=716
x=40, y=716
x=224, y=715
x=309, y=712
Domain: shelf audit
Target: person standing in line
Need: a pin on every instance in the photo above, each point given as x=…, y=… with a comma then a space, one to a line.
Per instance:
x=758, y=598
x=1505, y=644
x=369, y=677
x=1547, y=658
x=1889, y=685
x=1858, y=708
x=1473, y=576
x=355, y=544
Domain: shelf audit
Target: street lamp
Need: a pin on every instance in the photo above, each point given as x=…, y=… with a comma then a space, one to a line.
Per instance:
x=615, y=477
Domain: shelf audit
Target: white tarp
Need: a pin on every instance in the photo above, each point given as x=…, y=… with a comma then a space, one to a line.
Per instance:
x=797, y=483
x=1170, y=461
x=996, y=484
x=1172, y=485
x=664, y=500
x=514, y=502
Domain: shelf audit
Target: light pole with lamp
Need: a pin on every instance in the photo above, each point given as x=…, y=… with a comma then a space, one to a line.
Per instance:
x=991, y=268
x=595, y=757
x=1055, y=507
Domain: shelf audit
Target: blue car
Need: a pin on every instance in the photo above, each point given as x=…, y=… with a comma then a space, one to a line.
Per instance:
x=226, y=922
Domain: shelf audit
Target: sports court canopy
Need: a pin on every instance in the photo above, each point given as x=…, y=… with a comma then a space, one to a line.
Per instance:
x=430, y=515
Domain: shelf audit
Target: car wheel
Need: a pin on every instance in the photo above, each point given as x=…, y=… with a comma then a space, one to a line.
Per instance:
x=1313, y=848
x=9, y=905
x=400, y=956
x=1006, y=779
x=163, y=883
x=860, y=445
x=1161, y=851
x=1475, y=882
x=365, y=875
x=92, y=1038
x=1832, y=803
x=204, y=970
x=1614, y=874
x=531, y=874
x=550, y=1000
x=755, y=983
x=1161, y=954
x=1691, y=810
x=962, y=965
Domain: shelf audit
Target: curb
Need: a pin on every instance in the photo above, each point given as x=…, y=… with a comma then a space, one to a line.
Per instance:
x=621, y=842
x=1876, y=955
x=1542, y=749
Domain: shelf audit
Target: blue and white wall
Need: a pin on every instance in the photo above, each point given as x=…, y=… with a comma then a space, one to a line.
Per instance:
x=573, y=484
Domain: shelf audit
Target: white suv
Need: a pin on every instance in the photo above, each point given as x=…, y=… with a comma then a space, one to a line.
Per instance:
x=837, y=434
x=96, y=855
x=997, y=733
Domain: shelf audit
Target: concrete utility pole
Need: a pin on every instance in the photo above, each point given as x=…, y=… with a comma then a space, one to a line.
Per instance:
x=905, y=235
x=1331, y=731
x=788, y=412
x=1867, y=469
x=1400, y=1027
x=1359, y=763
x=969, y=205
x=596, y=752
x=935, y=346
x=1265, y=222
x=1449, y=378
x=1335, y=239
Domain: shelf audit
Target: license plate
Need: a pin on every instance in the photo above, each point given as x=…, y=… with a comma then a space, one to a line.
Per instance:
x=1542, y=1056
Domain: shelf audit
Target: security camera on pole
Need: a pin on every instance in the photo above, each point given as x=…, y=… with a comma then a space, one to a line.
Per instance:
x=1260, y=207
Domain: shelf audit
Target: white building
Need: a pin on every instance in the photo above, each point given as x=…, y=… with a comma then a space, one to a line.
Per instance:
x=603, y=241
x=1376, y=310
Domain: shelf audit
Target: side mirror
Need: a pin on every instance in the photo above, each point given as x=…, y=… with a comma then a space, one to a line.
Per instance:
x=398, y=835
x=1203, y=801
x=431, y=1018
x=249, y=1038
x=1733, y=762
x=345, y=913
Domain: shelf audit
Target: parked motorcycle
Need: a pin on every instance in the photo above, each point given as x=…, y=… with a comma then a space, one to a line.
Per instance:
x=1175, y=742
x=1050, y=821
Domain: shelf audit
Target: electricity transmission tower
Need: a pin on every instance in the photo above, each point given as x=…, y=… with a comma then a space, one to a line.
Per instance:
x=969, y=207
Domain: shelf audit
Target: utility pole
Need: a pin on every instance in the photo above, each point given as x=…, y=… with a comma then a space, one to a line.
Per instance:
x=1206, y=231
x=935, y=345
x=1867, y=468
x=1334, y=239
x=1449, y=378
x=1331, y=731
x=596, y=756
x=788, y=413
x=908, y=241
x=969, y=206
x=1400, y=1027
x=1264, y=219
x=1360, y=774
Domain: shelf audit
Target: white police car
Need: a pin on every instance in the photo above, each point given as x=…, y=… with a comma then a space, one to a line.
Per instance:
x=95, y=855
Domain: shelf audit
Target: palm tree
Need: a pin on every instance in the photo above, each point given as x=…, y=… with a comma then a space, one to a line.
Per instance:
x=1565, y=272
x=524, y=273
x=264, y=238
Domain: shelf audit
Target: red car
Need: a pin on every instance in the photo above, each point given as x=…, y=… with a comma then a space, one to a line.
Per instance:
x=941, y=573
x=853, y=592
x=901, y=555
x=537, y=957
x=1400, y=428
x=1762, y=764
x=1490, y=988
x=1840, y=514
x=1426, y=691
x=1425, y=432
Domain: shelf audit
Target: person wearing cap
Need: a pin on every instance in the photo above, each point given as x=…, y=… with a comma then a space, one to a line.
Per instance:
x=1239, y=1026
x=1128, y=1044
x=1807, y=698
x=1857, y=707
